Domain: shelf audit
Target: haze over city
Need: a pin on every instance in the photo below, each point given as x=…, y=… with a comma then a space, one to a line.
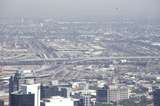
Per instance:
x=80, y=8
x=79, y=53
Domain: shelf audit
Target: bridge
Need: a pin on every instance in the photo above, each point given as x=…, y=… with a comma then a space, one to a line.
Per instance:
x=81, y=61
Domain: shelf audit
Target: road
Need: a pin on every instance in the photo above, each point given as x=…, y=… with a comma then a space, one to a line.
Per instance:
x=65, y=61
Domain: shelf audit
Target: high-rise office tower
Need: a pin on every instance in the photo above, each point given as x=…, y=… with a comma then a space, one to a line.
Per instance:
x=14, y=84
x=21, y=99
x=64, y=92
x=156, y=97
x=101, y=94
x=49, y=91
x=27, y=94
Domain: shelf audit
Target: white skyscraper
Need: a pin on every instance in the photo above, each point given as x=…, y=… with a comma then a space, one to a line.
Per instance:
x=58, y=101
x=33, y=89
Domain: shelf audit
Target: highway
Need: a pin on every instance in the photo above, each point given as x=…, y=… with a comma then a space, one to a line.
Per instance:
x=66, y=61
x=39, y=48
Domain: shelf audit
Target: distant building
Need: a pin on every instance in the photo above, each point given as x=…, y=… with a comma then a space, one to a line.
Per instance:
x=113, y=93
x=49, y=91
x=134, y=101
x=79, y=102
x=64, y=92
x=1, y=102
x=86, y=100
x=124, y=93
x=156, y=97
x=117, y=93
x=21, y=99
x=101, y=95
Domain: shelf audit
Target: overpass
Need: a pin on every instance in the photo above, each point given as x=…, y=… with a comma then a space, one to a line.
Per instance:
x=85, y=60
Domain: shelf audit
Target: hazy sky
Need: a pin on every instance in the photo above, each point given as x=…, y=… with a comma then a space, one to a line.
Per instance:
x=72, y=8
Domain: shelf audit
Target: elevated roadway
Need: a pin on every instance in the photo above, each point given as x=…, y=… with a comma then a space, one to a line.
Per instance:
x=87, y=60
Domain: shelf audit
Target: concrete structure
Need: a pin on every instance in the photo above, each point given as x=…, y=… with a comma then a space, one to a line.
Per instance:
x=113, y=93
x=124, y=93
x=58, y=101
x=116, y=93
x=91, y=60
